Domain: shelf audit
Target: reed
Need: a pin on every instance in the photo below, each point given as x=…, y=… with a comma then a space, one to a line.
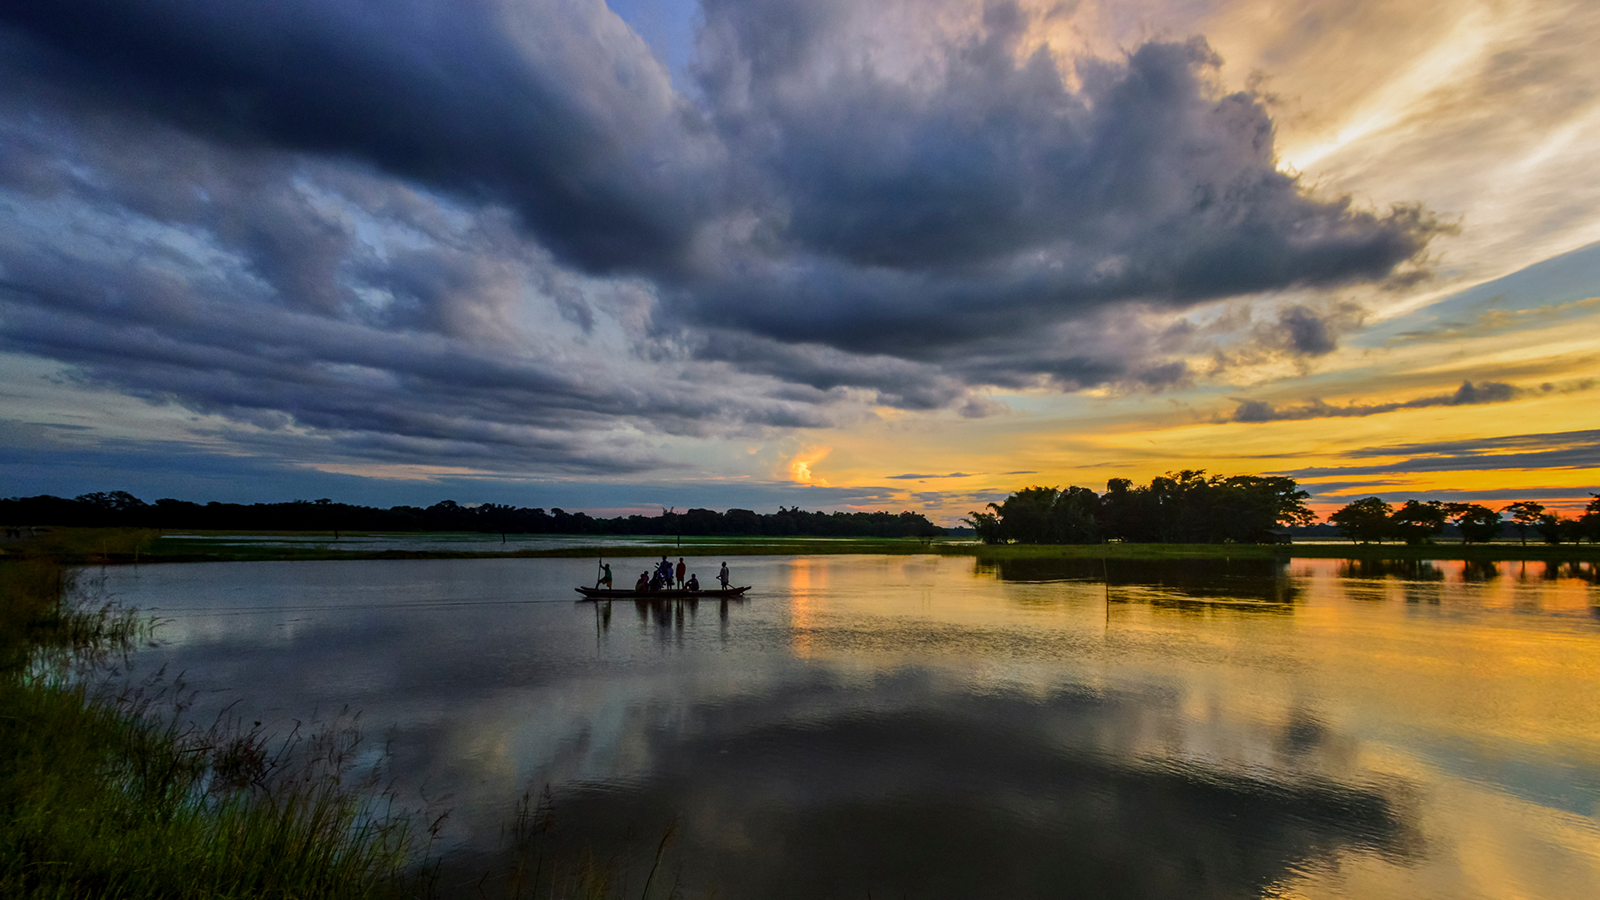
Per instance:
x=107, y=795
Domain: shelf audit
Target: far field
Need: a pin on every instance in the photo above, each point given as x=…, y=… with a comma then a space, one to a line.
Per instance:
x=134, y=546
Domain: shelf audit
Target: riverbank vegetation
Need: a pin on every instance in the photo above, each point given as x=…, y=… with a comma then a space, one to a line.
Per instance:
x=1183, y=514
x=1178, y=508
x=1370, y=520
x=100, y=547
x=119, y=509
x=1189, y=508
x=104, y=794
x=106, y=791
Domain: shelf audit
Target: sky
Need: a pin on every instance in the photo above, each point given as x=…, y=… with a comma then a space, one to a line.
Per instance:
x=913, y=254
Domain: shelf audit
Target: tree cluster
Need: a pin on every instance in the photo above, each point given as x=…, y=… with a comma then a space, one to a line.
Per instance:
x=1371, y=520
x=1181, y=507
x=119, y=508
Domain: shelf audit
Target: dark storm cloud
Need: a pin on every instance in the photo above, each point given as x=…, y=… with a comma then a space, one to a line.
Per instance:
x=919, y=219
x=1558, y=450
x=288, y=342
x=1466, y=395
x=341, y=216
x=555, y=109
x=1308, y=334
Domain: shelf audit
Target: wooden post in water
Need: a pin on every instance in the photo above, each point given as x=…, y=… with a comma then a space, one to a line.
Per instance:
x=1105, y=572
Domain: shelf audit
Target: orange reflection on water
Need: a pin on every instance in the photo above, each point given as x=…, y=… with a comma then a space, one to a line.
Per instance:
x=807, y=576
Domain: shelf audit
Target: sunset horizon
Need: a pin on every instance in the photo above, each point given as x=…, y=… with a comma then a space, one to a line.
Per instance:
x=908, y=256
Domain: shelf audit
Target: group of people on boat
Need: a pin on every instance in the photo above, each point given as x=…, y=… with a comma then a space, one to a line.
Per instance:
x=665, y=576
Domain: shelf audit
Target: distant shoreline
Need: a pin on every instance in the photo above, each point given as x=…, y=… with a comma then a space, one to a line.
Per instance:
x=111, y=546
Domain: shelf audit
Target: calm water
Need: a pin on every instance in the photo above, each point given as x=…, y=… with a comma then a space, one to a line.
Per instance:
x=931, y=728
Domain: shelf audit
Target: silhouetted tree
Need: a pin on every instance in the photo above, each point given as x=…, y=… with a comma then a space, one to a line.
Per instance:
x=1477, y=523
x=986, y=524
x=1418, y=520
x=1590, y=520
x=1554, y=529
x=1366, y=520
x=1127, y=513
x=1181, y=506
x=1047, y=515
x=1523, y=514
x=1244, y=507
x=121, y=508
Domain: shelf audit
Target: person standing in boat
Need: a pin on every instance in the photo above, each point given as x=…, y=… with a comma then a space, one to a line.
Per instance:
x=664, y=569
x=681, y=570
x=722, y=576
x=605, y=577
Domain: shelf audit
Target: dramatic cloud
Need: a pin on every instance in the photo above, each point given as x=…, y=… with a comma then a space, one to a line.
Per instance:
x=978, y=206
x=555, y=109
x=302, y=299
x=1557, y=450
x=494, y=235
x=1468, y=394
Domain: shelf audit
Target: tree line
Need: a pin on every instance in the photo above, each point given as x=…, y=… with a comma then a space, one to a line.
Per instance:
x=1189, y=508
x=1177, y=508
x=1371, y=520
x=121, y=509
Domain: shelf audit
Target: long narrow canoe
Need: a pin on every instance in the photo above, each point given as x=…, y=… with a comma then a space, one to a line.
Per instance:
x=663, y=594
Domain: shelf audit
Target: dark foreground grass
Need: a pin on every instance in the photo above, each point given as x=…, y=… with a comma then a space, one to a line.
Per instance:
x=104, y=795
x=109, y=794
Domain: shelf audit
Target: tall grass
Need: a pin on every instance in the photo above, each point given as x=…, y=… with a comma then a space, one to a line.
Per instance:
x=107, y=795
x=110, y=793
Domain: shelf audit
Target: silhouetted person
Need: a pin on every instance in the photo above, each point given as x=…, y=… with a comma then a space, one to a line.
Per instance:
x=681, y=569
x=643, y=584
x=693, y=583
x=722, y=576
x=605, y=576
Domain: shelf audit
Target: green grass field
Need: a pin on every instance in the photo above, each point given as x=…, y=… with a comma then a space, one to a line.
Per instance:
x=110, y=546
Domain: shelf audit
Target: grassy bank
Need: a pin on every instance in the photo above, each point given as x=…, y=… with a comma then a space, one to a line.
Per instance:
x=114, y=546
x=109, y=794
x=106, y=796
x=1480, y=552
x=107, y=546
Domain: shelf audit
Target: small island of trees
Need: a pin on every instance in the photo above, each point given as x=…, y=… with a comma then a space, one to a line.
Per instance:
x=1189, y=508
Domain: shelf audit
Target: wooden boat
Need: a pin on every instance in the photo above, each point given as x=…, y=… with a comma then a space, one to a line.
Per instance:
x=663, y=594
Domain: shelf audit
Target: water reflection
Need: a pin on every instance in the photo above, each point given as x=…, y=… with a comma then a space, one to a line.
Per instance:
x=1170, y=580
x=932, y=727
x=667, y=614
x=981, y=801
x=1405, y=569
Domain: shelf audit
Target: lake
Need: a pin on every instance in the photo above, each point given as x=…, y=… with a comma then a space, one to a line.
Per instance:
x=935, y=727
